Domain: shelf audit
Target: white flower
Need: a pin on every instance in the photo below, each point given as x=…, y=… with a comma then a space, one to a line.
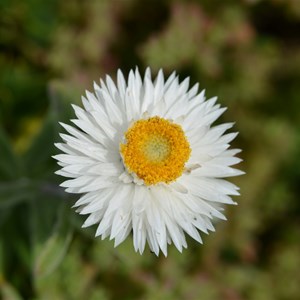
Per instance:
x=145, y=158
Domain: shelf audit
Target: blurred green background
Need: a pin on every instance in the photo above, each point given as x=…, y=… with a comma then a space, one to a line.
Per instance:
x=246, y=52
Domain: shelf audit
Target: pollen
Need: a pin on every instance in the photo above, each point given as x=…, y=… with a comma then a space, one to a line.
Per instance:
x=156, y=150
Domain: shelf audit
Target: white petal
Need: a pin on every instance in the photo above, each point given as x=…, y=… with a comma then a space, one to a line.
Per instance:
x=207, y=192
x=74, y=159
x=76, y=133
x=139, y=233
x=97, y=203
x=121, y=84
x=87, y=198
x=93, y=218
x=77, y=182
x=217, y=171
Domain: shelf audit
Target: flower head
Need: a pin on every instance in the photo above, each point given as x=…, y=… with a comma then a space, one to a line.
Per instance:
x=146, y=159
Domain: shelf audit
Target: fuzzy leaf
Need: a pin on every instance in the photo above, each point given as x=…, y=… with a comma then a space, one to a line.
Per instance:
x=49, y=244
x=14, y=192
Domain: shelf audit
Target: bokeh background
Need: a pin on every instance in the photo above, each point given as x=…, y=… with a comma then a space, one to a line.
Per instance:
x=246, y=52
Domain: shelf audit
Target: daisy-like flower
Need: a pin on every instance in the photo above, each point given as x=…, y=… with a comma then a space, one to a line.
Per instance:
x=146, y=160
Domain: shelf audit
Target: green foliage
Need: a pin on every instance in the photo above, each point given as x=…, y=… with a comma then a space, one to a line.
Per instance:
x=246, y=52
x=9, y=165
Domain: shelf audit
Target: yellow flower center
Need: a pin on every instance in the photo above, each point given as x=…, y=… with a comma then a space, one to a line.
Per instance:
x=155, y=150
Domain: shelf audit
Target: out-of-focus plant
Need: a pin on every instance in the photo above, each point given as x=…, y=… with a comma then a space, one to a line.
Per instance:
x=247, y=52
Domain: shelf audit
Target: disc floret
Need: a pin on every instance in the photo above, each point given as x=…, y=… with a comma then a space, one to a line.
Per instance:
x=156, y=150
